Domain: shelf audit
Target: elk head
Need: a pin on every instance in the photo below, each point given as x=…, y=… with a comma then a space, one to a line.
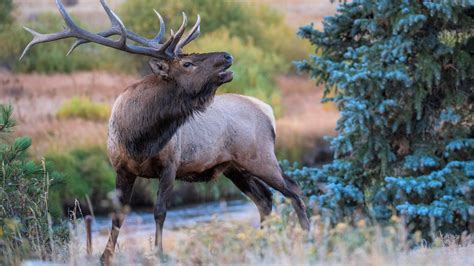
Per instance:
x=196, y=76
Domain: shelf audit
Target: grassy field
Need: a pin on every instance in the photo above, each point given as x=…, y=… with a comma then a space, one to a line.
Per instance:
x=277, y=243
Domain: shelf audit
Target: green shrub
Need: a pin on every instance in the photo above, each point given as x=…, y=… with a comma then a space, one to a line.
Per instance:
x=6, y=7
x=83, y=171
x=26, y=230
x=82, y=107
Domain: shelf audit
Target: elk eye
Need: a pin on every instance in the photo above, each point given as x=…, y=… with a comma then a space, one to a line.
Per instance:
x=187, y=64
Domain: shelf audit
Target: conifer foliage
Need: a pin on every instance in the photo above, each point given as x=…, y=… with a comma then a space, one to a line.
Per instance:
x=25, y=226
x=401, y=73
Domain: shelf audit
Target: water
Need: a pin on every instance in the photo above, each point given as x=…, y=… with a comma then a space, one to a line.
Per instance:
x=143, y=222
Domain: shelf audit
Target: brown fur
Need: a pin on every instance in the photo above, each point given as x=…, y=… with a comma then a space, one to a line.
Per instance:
x=149, y=112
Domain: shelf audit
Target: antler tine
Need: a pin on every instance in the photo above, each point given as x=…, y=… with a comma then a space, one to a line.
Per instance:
x=164, y=47
x=117, y=28
x=151, y=47
x=162, y=31
x=116, y=22
x=155, y=42
x=73, y=31
x=40, y=38
x=193, y=34
x=178, y=35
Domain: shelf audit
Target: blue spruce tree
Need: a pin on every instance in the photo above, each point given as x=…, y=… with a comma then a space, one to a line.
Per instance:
x=401, y=72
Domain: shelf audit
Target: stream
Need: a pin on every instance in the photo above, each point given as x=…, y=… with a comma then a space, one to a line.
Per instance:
x=142, y=222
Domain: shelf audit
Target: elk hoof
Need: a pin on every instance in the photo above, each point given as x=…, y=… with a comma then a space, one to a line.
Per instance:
x=105, y=260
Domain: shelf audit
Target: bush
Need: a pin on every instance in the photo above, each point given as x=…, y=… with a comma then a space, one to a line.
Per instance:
x=26, y=229
x=6, y=7
x=83, y=107
x=84, y=172
x=405, y=143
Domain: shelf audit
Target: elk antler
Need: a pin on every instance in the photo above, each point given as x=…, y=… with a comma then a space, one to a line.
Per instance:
x=151, y=47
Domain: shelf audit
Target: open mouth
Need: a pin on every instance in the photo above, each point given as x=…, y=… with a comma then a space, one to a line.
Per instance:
x=226, y=75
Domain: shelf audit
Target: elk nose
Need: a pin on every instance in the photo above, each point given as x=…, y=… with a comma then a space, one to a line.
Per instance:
x=228, y=57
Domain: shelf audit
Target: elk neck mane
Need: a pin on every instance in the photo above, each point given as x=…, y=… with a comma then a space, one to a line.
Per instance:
x=151, y=111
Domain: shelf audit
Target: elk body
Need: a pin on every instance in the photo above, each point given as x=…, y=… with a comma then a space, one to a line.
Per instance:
x=171, y=125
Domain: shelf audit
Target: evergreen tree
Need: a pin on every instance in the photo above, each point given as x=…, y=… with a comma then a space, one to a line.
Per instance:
x=401, y=73
x=25, y=226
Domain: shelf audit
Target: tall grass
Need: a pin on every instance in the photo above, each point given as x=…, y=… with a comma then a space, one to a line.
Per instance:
x=281, y=242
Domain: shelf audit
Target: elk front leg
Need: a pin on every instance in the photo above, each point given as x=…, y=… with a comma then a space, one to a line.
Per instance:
x=165, y=191
x=123, y=187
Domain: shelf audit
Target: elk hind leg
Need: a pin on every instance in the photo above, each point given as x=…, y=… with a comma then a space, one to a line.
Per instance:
x=253, y=188
x=271, y=174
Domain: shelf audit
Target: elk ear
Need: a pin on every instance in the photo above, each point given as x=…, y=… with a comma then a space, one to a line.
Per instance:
x=159, y=67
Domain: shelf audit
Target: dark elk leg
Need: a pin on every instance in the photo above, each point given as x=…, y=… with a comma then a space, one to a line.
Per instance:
x=124, y=187
x=255, y=189
x=272, y=175
x=165, y=191
x=294, y=192
x=290, y=189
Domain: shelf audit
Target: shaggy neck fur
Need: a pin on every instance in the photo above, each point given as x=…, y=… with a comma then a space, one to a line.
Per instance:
x=152, y=111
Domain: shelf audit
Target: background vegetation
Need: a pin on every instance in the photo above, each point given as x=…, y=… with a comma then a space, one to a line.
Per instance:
x=251, y=32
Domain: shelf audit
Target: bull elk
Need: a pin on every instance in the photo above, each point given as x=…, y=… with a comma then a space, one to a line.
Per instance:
x=170, y=126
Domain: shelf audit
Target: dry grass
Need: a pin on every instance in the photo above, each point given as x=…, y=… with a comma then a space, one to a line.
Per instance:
x=280, y=243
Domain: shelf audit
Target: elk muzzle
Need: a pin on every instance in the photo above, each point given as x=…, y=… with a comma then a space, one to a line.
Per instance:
x=223, y=65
